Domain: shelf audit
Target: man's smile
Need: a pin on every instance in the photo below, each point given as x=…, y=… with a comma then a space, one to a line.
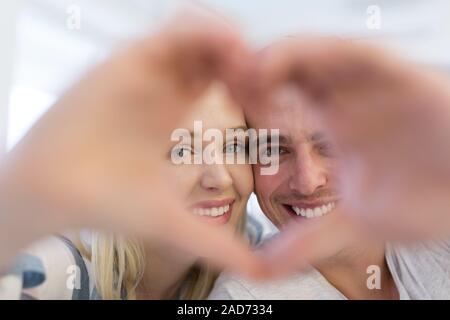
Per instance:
x=310, y=210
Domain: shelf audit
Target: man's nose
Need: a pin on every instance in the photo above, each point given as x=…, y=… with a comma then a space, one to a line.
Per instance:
x=308, y=175
x=215, y=177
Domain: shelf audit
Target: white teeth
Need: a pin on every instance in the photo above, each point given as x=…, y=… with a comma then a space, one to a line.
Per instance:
x=303, y=212
x=211, y=212
x=314, y=212
x=318, y=212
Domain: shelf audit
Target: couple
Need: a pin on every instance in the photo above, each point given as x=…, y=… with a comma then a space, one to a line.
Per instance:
x=101, y=159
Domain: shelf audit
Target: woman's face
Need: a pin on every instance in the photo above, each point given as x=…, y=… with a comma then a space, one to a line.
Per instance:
x=212, y=186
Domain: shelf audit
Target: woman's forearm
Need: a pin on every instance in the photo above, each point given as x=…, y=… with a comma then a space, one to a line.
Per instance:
x=22, y=219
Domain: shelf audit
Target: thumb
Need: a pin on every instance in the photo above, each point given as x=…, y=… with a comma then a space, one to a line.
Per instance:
x=301, y=244
x=218, y=245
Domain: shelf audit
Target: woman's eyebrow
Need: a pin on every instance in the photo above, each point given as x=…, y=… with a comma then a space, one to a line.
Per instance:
x=235, y=130
x=244, y=128
x=240, y=128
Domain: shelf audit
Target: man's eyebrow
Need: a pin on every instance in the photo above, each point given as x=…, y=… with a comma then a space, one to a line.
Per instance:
x=318, y=136
x=282, y=139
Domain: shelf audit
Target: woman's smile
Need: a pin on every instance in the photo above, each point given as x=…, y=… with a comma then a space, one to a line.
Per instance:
x=219, y=211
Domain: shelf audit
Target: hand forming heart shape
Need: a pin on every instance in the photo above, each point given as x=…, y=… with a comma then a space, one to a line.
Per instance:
x=389, y=119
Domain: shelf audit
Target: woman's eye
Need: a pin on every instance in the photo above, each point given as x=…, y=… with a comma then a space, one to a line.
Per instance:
x=234, y=148
x=181, y=152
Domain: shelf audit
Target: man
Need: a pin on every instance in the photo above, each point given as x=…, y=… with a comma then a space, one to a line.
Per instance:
x=306, y=189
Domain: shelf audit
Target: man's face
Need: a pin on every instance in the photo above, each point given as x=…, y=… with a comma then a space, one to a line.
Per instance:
x=303, y=187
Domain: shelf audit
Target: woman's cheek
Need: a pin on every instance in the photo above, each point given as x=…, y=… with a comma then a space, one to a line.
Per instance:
x=243, y=180
x=183, y=179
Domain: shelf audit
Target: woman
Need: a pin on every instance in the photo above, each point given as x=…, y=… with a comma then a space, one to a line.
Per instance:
x=105, y=266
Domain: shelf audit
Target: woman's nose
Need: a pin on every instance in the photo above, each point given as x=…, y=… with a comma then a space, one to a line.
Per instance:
x=215, y=177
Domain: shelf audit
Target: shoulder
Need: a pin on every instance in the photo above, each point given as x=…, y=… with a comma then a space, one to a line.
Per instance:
x=62, y=267
x=306, y=285
x=229, y=287
x=429, y=255
x=422, y=269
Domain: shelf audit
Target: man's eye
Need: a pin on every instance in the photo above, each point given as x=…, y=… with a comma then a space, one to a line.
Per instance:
x=277, y=150
x=270, y=151
x=325, y=149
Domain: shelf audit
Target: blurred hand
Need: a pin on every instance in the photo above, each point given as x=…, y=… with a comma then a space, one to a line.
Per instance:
x=390, y=121
x=95, y=159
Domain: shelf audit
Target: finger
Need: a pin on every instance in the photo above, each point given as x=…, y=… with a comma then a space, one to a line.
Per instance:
x=327, y=69
x=310, y=59
x=302, y=244
x=218, y=245
x=194, y=48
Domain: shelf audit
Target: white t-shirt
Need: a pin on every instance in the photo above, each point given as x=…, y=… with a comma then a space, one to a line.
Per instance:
x=421, y=271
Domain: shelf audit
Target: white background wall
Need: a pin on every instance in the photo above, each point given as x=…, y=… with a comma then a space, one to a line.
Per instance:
x=8, y=16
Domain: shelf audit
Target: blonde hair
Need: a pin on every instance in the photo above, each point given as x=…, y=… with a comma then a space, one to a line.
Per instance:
x=118, y=267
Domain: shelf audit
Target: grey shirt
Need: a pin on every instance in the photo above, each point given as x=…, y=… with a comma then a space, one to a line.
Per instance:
x=421, y=271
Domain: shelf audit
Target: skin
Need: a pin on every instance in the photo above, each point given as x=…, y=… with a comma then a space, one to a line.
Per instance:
x=307, y=179
x=197, y=183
